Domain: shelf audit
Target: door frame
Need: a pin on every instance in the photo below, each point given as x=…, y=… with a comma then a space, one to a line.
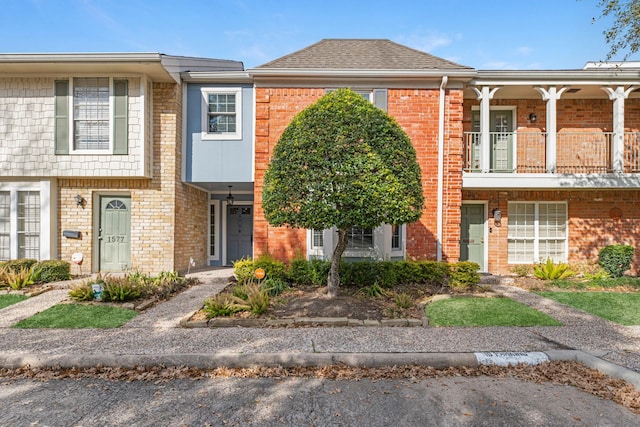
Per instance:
x=514, y=124
x=485, y=246
x=224, y=205
x=96, y=196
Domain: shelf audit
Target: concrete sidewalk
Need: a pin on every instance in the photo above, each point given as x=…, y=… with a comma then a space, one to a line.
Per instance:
x=155, y=337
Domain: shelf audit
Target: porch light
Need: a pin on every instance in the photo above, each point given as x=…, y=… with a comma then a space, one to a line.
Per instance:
x=79, y=200
x=230, y=198
x=497, y=216
x=533, y=117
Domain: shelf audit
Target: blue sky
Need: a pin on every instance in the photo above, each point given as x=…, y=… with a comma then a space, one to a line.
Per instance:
x=487, y=34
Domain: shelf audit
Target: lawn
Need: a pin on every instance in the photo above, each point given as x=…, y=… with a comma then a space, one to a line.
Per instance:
x=470, y=311
x=622, y=308
x=10, y=299
x=74, y=316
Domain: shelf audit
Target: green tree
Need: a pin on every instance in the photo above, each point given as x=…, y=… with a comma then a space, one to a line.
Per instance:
x=624, y=32
x=341, y=163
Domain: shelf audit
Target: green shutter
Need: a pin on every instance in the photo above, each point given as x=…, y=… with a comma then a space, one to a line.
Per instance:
x=380, y=98
x=61, y=116
x=120, y=125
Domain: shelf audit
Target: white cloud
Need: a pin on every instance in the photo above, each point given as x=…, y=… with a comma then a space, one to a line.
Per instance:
x=428, y=42
x=524, y=50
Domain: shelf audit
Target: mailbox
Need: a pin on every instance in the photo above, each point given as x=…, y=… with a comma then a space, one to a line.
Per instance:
x=71, y=234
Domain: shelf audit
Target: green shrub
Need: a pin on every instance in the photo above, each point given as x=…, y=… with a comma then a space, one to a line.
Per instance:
x=551, y=271
x=616, y=259
x=20, y=278
x=257, y=299
x=53, y=271
x=244, y=268
x=274, y=286
x=373, y=291
x=82, y=292
x=16, y=265
x=312, y=272
x=224, y=305
x=120, y=289
x=463, y=275
x=407, y=272
x=432, y=271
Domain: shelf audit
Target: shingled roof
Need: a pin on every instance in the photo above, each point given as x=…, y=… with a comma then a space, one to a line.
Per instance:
x=361, y=54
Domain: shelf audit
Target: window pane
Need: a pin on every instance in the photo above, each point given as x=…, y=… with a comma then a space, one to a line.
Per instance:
x=395, y=237
x=520, y=251
x=360, y=238
x=91, y=113
x=212, y=230
x=29, y=224
x=317, y=238
x=5, y=237
x=221, y=113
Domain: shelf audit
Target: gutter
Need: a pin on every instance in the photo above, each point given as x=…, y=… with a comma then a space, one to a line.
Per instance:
x=440, y=209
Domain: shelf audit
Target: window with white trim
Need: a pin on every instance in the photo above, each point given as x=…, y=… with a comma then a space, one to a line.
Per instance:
x=360, y=238
x=317, y=239
x=5, y=225
x=91, y=113
x=537, y=231
x=396, y=237
x=222, y=113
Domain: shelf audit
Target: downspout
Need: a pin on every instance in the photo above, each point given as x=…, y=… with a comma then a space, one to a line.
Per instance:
x=443, y=84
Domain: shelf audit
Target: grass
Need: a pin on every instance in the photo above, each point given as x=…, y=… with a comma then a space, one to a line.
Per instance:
x=470, y=311
x=628, y=282
x=621, y=308
x=10, y=299
x=75, y=316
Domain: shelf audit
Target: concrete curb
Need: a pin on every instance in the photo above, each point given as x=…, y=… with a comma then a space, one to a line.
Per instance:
x=240, y=360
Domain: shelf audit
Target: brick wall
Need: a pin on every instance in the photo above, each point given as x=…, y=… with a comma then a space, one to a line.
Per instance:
x=416, y=110
x=168, y=218
x=596, y=218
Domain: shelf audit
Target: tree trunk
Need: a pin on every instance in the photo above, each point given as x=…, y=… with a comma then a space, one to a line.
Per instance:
x=333, y=281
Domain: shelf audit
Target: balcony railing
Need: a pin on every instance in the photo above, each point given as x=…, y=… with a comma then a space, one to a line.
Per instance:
x=526, y=152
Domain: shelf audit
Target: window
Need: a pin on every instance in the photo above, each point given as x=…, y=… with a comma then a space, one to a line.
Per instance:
x=91, y=115
x=212, y=230
x=396, y=237
x=360, y=238
x=317, y=238
x=222, y=113
x=537, y=231
x=5, y=221
x=29, y=224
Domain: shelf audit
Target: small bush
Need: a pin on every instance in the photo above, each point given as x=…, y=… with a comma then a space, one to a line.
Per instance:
x=522, y=270
x=245, y=268
x=403, y=300
x=433, y=271
x=16, y=265
x=53, y=271
x=373, y=291
x=616, y=259
x=82, y=292
x=224, y=305
x=312, y=272
x=21, y=278
x=551, y=271
x=120, y=289
x=463, y=275
x=257, y=299
x=274, y=286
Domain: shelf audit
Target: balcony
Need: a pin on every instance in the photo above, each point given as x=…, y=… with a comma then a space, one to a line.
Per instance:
x=582, y=159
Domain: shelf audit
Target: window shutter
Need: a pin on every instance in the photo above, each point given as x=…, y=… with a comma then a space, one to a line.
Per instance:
x=380, y=98
x=120, y=123
x=61, y=116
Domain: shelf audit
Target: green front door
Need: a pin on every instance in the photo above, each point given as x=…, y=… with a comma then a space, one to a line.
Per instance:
x=472, y=234
x=114, y=234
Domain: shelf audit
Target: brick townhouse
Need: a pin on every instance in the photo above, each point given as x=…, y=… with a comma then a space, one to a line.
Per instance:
x=518, y=166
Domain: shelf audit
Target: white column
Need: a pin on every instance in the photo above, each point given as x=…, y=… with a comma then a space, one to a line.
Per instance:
x=484, y=96
x=551, y=95
x=618, y=96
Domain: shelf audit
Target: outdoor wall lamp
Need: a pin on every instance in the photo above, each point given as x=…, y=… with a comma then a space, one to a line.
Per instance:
x=497, y=217
x=230, y=198
x=533, y=117
x=79, y=200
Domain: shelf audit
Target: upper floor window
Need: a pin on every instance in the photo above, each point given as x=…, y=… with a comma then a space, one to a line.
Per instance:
x=91, y=116
x=222, y=113
x=91, y=113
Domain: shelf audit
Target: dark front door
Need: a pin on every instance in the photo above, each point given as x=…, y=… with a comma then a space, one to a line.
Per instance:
x=239, y=232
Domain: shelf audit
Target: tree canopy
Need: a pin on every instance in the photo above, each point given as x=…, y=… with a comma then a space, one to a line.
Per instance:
x=341, y=163
x=624, y=33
